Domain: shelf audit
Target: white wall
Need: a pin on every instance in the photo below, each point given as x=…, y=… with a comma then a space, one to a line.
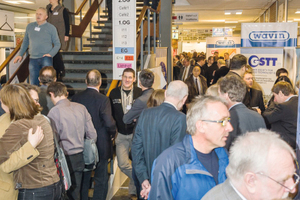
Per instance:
x=193, y=46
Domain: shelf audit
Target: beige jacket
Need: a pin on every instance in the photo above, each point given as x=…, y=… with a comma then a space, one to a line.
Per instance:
x=41, y=171
x=17, y=159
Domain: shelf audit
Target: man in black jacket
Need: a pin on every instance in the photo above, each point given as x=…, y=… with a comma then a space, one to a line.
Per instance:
x=122, y=99
x=157, y=129
x=98, y=105
x=283, y=117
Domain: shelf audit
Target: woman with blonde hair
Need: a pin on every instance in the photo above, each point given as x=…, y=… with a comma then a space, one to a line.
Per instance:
x=38, y=179
x=157, y=97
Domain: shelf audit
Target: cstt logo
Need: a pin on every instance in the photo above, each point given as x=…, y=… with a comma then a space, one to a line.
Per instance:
x=272, y=36
x=255, y=61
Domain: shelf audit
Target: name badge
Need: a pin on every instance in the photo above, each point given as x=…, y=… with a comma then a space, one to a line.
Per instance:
x=128, y=107
x=116, y=101
x=55, y=13
x=37, y=28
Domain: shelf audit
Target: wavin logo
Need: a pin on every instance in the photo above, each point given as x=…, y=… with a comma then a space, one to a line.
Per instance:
x=225, y=43
x=270, y=36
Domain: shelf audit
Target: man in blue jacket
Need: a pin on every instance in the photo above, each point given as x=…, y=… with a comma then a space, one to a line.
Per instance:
x=189, y=169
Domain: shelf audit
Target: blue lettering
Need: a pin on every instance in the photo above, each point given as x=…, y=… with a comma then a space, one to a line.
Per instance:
x=256, y=36
x=254, y=61
x=281, y=35
x=271, y=35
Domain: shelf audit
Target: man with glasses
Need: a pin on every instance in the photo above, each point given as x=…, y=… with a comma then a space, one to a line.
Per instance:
x=233, y=89
x=189, y=169
x=261, y=166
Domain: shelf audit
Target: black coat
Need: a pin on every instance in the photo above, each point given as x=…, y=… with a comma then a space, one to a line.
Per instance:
x=222, y=71
x=98, y=105
x=283, y=120
x=192, y=87
x=256, y=99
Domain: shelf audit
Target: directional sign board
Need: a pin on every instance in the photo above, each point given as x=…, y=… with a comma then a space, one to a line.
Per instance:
x=186, y=17
x=124, y=36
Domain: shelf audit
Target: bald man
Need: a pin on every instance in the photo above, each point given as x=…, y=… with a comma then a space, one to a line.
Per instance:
x=43, y=42
x=98, y=105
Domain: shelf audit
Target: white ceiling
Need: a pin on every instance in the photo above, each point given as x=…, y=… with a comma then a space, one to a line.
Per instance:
x=207, y=10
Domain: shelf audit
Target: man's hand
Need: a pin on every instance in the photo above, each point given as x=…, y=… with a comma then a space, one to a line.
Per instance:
x=18, y=59
x=36, y=138
x=258, y=110
x=66, y=38
x=48, y=55
x=145, y=189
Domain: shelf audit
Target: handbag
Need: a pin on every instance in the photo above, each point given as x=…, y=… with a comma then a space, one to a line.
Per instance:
x=62, y=166
x=90, y=154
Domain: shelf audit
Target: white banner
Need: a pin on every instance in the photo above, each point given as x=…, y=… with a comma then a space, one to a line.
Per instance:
x=124, y=32
x=269, y=34
x=230, y=45
x=264, y=62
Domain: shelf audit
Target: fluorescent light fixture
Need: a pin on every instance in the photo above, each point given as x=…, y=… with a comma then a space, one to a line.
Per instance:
x=227, y=13
x=296, y=20
x=221, y=20
x=231, y=22
x=20, y=1
x=24, y=17
x=239, y=13
x=234, y=12
x=298, y=11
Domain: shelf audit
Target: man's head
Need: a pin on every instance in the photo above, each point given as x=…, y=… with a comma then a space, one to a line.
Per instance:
x=248, y=78
x=226, y=56
x=128, y=78
x=221, y=62
x=177, y=58
x=177, y=93
x=57, y=91
x=207, y=119
x=282, y=91
x=196, y=71
x=216, y=54
x=201, y=61
x=261, y=166
x=47, y=75
x=146, y=78
x=232, y=89
x=186, y=62
x=41, y=15
x=93, y=78
x=210, y=60
x=281, y=72
x=238, y=63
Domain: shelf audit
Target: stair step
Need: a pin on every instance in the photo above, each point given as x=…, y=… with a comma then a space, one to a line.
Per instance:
x=86, y=53
x=108, y=27
x=82, y=80
x=98, y=39
x=106, y=23
x=87, y=61
x=105, y=71
x=97, y=45
x=102, y=32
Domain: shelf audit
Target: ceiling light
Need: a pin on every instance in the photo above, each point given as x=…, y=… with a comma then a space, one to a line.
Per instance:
x=20, y=1
x=231, y=22
x=296, y=20
x=227, y=13
x=298, y=11
x=238, y=13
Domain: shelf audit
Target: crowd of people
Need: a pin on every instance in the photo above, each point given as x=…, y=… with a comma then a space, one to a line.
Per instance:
x=190, y=141
x=205, y=137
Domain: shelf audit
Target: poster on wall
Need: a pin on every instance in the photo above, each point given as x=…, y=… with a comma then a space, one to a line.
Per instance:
x=264, y=62
x=7, y=35
x=274, y=35
x=161, y=61
x=222, y=45
x=124, y=45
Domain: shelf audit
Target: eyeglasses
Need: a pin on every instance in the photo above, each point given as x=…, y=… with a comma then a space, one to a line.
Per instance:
x=222, y=122
x=295, y=177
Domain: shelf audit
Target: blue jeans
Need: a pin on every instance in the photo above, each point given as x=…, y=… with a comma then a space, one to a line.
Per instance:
x=35, y=65
x=51, y=192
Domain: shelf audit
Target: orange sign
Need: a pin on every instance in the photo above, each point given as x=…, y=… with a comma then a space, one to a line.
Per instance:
x=131, y=58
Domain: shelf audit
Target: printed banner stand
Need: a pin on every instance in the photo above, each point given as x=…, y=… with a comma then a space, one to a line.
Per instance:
x=230, y=45
x=124, y=44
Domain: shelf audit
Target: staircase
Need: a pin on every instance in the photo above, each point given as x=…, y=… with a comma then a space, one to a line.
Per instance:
x=77, y=63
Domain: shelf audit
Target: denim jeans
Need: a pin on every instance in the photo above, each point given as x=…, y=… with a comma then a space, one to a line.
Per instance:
x=51, y=192
x=76, y=166
x=35, y=65
x=123, y=145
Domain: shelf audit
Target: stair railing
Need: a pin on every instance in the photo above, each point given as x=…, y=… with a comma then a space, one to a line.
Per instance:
x=146, y=28
x=22, y=72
